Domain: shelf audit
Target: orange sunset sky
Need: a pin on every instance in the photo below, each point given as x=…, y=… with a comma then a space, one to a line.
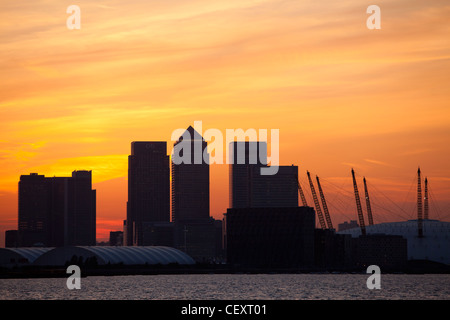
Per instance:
x=341, y=95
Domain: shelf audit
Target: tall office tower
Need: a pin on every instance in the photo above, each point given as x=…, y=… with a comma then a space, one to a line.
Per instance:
x=250, y=189
x=57, y=211
x=247, y=186
x=282, y=188
x=81, y=227
x=190, y=178
x=194, y=229
x=34, y=210
x=58, y=188
x=148, y=188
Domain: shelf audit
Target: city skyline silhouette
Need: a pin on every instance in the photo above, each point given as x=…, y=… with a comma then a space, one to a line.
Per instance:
x=348, y=216
x=341, y=95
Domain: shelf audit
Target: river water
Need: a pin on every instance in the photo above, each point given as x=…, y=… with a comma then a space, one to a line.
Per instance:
x=231, y=287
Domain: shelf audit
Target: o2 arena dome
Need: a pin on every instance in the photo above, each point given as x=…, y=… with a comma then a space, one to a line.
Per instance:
x=434, y=245
x=427, y=239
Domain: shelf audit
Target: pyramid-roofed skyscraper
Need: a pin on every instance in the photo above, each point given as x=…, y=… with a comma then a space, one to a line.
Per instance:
x=190, y=179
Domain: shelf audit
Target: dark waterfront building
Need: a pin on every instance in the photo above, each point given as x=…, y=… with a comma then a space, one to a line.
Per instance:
x=116, y=238
x=190, y=179
x=158, y=234
x=125, y=230
x=333, y=251
x=250, y=189
x=389, y=252
x=201, y=239
x=148, y=188
x=57, y=211
x=270, y=237
x=11, y=238
x=348, y=225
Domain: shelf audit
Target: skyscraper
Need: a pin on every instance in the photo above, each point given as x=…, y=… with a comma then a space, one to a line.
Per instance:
x=190, y=179
x=194, y=229
x=148, y=188
x=282, y=188
x=247, y=186
x=34, y=210
x=250, y=189
x=81, y=225
x=57, y=211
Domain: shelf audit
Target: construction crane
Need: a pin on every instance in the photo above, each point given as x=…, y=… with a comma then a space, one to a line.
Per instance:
x=419, y=205
x=358, y=206
x=324, y=205
x=425, y=204
x=369, y=208
x=300, y=191
x=316, y=202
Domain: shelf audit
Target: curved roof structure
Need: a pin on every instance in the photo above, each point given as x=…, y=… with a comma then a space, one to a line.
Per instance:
x=434, y=246
x=16, y=256
x=115, y=255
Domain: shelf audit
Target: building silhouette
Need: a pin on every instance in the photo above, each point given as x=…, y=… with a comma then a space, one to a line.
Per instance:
x=116, y=238
x=148, y=188
x=333, y=251
x=270, y=238
x=282, y=188
x=249, y=188
x=158, y=234
x=11, y=239
x=81, y=224
x=35, y=210
x=190, y=179
x=347, y=225
x=57, y=211
x=389, y=252
x=195, y=232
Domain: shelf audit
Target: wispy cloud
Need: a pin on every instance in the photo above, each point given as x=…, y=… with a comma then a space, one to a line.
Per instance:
x=416, y=151
x=353, y=165
x=381, y=163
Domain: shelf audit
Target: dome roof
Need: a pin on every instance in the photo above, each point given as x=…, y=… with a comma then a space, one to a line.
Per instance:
x=404, y=228
x=115, y=255
x=14, y=256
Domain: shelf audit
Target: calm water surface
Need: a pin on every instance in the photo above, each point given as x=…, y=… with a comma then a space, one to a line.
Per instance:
x=231, y=286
